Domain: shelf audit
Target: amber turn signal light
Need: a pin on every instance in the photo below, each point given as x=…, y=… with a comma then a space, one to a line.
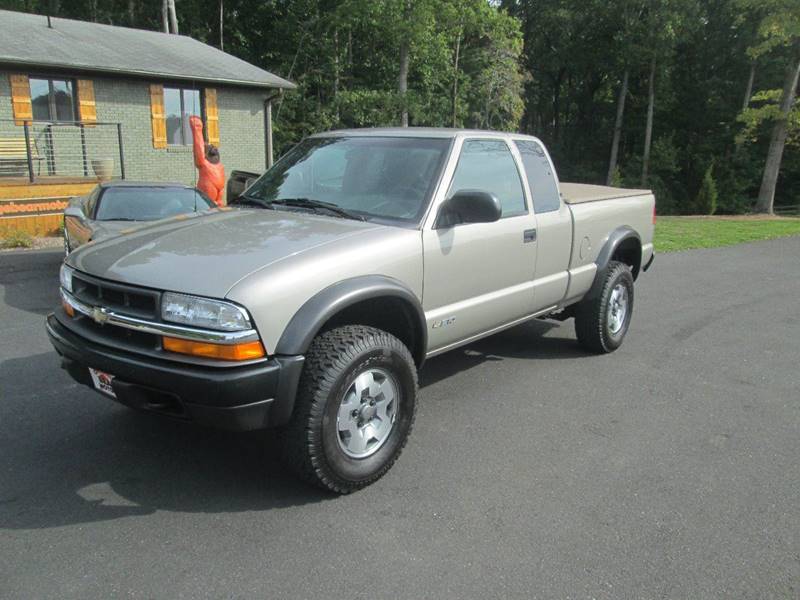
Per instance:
x=245, y=351
x=68, y=308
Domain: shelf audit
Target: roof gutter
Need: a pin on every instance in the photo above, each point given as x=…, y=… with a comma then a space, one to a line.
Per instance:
x=280, y=84
x=268, y=152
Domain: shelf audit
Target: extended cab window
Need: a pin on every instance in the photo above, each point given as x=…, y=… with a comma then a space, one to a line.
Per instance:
x=541, y=178
x=488, y=165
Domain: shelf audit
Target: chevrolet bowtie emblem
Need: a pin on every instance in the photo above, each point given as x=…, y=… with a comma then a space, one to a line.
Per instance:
x=100, y=315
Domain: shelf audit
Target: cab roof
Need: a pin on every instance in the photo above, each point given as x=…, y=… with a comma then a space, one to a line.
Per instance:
x=420, y=132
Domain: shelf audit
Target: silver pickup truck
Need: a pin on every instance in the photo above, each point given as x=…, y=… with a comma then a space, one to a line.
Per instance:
x=311, y=303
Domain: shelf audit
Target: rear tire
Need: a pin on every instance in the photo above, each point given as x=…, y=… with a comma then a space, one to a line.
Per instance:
x=355, y=407
x=601, y=322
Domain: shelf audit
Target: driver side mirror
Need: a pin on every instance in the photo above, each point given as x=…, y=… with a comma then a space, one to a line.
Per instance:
x=468, y=206
x=75, y=211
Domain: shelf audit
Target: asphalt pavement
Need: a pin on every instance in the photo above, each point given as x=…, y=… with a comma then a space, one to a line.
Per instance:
x=669, y=469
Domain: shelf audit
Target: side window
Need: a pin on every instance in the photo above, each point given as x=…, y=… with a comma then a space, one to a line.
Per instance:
x=489, y=166
x=540, y=176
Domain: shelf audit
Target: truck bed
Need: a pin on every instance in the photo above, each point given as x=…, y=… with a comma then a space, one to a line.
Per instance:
x=578, y=193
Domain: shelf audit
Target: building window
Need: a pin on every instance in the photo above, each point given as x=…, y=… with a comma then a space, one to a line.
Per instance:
x=53, y=99
x=179, y=105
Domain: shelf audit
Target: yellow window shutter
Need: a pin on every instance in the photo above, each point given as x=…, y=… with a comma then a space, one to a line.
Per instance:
x=157, y=116
x=21, y=98
x=212, y=116
x=87, y=109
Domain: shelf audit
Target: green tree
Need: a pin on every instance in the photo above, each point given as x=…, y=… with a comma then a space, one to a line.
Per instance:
x=778, y=32
x=706, y=201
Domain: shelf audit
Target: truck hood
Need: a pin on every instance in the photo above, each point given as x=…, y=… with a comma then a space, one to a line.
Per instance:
x=206, y=254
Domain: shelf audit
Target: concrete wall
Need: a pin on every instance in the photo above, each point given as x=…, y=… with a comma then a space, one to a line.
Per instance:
x=241, y=124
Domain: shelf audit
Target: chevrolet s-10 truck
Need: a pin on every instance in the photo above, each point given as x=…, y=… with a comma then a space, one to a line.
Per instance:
x=311, y=303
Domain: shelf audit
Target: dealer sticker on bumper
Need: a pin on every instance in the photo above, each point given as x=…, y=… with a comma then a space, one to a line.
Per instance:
x=102, y=382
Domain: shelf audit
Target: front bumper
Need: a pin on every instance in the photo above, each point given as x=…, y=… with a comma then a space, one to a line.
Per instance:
x=240, y=398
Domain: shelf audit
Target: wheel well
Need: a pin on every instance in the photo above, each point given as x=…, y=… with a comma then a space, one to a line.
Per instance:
x=629, y=252
x=392, y=315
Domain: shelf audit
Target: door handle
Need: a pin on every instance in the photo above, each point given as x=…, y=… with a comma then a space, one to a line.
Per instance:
x=529, y=235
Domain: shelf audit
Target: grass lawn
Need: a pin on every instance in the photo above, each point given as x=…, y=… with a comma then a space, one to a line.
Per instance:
x=684, y=233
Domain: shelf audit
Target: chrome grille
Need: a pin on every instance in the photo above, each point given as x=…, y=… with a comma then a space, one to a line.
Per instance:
x=125, y=299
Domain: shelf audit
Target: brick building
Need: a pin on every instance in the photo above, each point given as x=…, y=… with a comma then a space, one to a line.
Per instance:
x=84, y=101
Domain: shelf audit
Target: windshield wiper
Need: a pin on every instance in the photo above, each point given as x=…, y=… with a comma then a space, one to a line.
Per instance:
x=319, y=204
x=253, y=201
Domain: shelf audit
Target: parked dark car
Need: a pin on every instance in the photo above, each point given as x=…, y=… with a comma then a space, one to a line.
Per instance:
x=115, y=206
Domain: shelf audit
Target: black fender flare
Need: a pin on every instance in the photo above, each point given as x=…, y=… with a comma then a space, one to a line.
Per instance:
x=315, y=312
x=615, y=239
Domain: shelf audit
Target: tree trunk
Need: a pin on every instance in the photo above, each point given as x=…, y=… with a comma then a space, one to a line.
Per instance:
x=165, y=16
x=131, y=12
x=173, y=17
x=402, y=82
x=221, y=26
x=612, y=163
x=557, y=103
x=455, y=79
x=748, y=91
x=766, y=195
x=402, y=78
x=350, y=51
x=648, y=132
x=291, y=70
x=336, y=71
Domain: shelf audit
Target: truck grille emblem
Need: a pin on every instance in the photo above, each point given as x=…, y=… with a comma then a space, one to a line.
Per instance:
x=100, y=315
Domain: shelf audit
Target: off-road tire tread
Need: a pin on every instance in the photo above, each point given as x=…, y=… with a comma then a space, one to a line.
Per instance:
x=330, y=353
x=590, y=313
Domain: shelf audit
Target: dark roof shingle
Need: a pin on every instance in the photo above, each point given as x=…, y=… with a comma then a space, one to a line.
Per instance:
x=78, y=45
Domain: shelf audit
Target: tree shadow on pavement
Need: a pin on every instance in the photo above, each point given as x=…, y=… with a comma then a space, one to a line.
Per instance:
x=70, y=456
x=525, y=341
x=30, y=279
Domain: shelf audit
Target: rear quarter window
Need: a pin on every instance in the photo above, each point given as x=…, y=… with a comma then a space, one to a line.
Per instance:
x=541, y=179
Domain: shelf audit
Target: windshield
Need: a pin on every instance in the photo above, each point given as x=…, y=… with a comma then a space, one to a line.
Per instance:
x=387, y=178
x=149, y=203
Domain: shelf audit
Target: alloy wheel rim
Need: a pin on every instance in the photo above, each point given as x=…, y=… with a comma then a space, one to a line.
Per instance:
x=367, y=413
x=617, y=308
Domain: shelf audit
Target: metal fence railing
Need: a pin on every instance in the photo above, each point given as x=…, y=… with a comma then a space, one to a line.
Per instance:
x=42, y=149
x=786, y=210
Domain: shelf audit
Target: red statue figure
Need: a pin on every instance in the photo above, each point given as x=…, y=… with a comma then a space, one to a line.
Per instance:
x=206, y=158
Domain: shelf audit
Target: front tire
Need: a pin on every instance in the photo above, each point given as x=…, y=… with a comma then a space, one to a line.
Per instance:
x=354, y=411
x=602, y=322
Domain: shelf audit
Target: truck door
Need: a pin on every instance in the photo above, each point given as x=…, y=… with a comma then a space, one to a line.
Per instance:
x=554, y=222
x=479, y=276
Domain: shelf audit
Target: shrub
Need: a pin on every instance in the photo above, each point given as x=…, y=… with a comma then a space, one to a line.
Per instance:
x=16, y=239
x=616, y=177
x=706, y=201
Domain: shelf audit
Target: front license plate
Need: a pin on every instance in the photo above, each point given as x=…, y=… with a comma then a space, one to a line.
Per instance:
x=102, y=382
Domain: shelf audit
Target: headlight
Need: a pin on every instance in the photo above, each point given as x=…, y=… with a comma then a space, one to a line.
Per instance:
x=202, y=312
x=65, y=275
